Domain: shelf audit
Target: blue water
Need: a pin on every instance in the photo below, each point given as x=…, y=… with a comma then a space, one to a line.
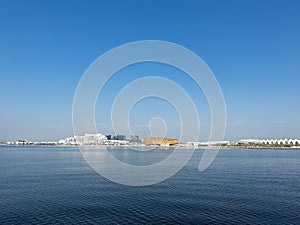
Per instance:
x=50, y=185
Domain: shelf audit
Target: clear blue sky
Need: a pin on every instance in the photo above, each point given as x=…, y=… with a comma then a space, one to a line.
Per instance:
x=252, y=47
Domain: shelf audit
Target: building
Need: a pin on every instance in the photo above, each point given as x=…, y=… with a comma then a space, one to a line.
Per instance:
x=270, y=142
x=22, y=142
x=135, y=138
x=249, y=142
x=160, y=141
x=120, y=137
x=207, y=143
x=92, y=139
x=87, y=139
x=281, y=142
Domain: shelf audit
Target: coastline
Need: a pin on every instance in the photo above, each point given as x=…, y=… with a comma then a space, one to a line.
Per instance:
x=229, y=147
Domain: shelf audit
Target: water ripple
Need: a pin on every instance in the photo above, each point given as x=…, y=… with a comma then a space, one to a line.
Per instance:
x=42, y=186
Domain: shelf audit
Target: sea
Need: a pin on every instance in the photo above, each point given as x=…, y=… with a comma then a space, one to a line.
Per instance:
x=55, y=185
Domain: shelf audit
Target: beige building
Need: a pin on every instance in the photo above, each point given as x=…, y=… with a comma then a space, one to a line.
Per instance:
x=160, y=141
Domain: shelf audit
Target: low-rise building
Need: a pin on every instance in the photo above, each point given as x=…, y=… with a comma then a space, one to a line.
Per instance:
x=281, y=142
x=160, y=141
x=207, y=143
x=91, y=139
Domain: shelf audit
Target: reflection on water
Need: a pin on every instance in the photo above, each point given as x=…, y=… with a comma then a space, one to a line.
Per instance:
x=136, y=168
x=140, y=157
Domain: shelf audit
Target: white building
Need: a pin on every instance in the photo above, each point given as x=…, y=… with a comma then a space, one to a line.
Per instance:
x=87, y=139
x=249, y=142
x=281, y=142
x=207, y=143
x=91, y=139
x=292, y=142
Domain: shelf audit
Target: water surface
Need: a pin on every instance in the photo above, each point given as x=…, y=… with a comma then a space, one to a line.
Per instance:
x=47, y=185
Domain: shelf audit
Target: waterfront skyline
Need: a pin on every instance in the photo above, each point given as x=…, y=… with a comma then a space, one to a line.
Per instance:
x=99, y=139
x=252, y=48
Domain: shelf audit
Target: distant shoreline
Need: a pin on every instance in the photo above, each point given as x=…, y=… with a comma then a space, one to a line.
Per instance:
x=163, y=147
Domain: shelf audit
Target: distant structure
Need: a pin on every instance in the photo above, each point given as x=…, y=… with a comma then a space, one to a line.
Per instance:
x=160, y=141
x=119, y=137
x=270, y=142
x=87, y=139
x=22, y=142
x=27, y=142
x=249, y=142
x=135, y=138
x=91, y=139
x=208, y=143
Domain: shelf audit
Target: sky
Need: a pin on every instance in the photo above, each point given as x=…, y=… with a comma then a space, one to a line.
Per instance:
x=252, y=47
